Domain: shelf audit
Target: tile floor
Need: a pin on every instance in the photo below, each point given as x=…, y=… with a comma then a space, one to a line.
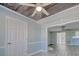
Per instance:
x=63, y=50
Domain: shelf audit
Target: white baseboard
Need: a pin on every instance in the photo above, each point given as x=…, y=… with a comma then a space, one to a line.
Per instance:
x=35, y=53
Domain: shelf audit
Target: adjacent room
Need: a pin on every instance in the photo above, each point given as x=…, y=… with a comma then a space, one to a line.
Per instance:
x=64, y=40
x=39, y=29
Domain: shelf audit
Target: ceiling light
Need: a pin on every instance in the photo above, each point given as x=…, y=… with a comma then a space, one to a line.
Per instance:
x=38, y=8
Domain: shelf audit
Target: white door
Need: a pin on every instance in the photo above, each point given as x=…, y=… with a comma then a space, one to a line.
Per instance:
x=16, y=37
x=61, y=43
x=61, y=38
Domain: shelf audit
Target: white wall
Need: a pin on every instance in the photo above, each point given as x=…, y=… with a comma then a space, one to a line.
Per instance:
x=52, y=38
x=2, y=38
x=49, y=38
x=44, y=39
x=34, y=30
x=34, y=39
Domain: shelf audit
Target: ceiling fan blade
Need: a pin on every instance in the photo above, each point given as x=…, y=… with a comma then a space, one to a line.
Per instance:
x=28, y=4
x=45, y=4
x=45, y=12
x=34, y=13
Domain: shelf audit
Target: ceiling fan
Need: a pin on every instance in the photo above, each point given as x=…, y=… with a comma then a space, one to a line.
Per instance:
x=38, y=7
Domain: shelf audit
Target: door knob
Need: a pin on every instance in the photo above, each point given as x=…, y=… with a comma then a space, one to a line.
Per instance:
x=9, y=43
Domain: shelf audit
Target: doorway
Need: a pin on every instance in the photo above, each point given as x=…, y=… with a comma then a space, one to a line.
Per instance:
x=56, y=41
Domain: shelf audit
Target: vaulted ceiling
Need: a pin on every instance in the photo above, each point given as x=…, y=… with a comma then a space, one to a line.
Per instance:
x=52, y=9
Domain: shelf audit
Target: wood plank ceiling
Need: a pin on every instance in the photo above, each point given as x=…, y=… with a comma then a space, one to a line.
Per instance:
x=52, y=9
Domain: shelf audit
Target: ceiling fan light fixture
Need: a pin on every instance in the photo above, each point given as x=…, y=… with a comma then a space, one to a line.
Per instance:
x=38, y=8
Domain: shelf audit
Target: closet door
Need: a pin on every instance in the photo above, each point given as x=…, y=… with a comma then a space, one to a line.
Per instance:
x=21, y=38
x=16, y=37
